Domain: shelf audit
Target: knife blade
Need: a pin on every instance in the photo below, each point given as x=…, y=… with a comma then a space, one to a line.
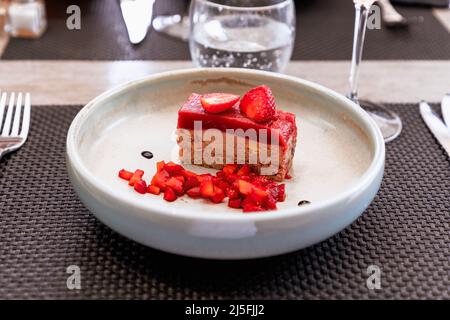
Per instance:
x=137, y=15
x=436, y=126
x=445, y=107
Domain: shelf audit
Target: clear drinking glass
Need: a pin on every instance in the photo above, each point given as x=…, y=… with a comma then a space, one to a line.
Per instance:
x=256, y=34
x=389, y=123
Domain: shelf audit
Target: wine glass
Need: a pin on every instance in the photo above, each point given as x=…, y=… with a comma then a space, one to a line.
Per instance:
x=389, y=122
x=255, y=34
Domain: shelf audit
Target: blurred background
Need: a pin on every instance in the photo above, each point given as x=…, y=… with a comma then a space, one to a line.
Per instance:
x=324, y=31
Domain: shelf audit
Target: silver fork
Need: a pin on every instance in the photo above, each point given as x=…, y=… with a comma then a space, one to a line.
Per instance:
x=16, y=124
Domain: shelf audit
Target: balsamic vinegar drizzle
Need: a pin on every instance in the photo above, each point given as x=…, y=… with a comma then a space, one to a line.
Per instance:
x=147, y=154
x=303, y=202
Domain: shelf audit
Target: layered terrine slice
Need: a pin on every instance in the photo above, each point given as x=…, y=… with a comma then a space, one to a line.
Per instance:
x=218, y=129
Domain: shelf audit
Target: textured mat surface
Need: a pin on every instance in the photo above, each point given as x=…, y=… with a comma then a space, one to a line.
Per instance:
x=44, y=228
x=324, y=32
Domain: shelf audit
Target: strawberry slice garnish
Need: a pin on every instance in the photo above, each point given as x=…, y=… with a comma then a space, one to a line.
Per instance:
x=258, y=104
x=218, y=102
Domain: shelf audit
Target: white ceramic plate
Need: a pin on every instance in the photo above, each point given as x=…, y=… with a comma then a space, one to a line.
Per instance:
x=338, y=166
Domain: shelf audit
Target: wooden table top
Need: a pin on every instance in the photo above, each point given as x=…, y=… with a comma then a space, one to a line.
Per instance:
x=77, y=82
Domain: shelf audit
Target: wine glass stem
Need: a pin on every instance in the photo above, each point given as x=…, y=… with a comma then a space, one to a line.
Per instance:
x=361, y=15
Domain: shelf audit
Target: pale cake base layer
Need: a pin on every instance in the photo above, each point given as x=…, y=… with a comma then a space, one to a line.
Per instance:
x=264, y=159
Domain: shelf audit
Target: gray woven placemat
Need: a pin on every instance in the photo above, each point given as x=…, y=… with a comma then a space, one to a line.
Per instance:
x=44, y=228
x=324, y=32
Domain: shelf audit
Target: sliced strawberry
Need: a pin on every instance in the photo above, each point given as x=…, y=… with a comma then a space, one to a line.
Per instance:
x=234, y=203
x=137, y=175
x=126, y=175
x=140, y=186
x=218, y=196
x=244, y=170
x=153, y=189
x=175, y=184
x=218, y=102
x=194, y=192
x=258, y=104
x=170, y=195
x=207, y=188
x=245, y=187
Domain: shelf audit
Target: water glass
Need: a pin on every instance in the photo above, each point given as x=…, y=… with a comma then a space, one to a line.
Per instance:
x=256, y=34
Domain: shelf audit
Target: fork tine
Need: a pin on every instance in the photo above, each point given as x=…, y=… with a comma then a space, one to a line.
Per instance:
x=26, y=117
x=2, y=108
x=7, y=126
x=17, y=116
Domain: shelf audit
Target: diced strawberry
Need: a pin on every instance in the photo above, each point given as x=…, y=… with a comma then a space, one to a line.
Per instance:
x=218, y=102
x=232, y=193
x=173, y=168
x=234, y=203
x=270, y=202
x=229, y=168
x=188, y=174
x=261, y=181
x=205, y=176
x=153, y=189
x=244, y=170
x=231, y=178
x=140, y=186
x=137, y=175
x=181, y=178
x=194, y=192
x=248, y=205
x=126, y=175
x=288, y=176
x=258, y=104
x=258, y=195
x=220, y=183
x=281, y=192
x=170, y=195
x=191, y=183
x=160, y=179
x=244, y=187
x=207, y=188
x=218, y=196
x=175, y=184
x=160, y=165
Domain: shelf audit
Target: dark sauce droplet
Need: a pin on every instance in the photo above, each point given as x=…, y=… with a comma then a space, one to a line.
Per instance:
x=303, y=202
x=147, y=154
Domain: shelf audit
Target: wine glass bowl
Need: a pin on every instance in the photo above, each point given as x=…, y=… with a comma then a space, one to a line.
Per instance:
x=255, y=34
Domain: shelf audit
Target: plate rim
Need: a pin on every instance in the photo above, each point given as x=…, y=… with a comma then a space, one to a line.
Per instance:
x=370, y=174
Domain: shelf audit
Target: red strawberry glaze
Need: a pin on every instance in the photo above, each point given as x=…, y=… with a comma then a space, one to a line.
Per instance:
x=283, y=124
